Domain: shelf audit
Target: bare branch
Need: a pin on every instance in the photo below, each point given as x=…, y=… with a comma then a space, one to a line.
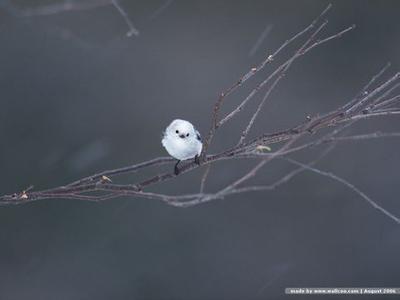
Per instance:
x=215, y=115
x=349, y=185
x=125, y=170
x=286, y=178
x=279, y=69
x=370, y=97
x=95, y=182
x=279, y=77
x=259, y=165
x=376, y=99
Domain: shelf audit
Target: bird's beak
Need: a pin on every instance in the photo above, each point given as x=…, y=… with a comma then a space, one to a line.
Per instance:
x=182, y=136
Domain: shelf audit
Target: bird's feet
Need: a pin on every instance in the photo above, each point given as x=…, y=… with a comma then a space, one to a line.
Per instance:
x=197, y=159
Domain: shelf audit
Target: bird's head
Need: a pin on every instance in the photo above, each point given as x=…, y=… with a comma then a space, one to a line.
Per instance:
x=181, y=129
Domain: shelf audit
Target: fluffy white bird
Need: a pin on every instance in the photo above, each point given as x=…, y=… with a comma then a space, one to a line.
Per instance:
x=182, y=141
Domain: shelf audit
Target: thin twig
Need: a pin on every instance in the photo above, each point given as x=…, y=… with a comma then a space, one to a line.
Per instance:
x=215, y=115
x=132, y=28
x=240, y=107
x=349, y=185
x=275, y=83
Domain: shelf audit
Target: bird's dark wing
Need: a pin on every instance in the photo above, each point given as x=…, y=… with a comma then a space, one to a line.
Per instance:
x=198, y=136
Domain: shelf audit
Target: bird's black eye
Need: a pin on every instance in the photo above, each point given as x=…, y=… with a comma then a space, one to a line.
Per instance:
x=177, y=131
x=187, y=134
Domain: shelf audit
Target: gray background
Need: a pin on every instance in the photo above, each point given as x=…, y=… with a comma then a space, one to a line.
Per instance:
x=77, y=97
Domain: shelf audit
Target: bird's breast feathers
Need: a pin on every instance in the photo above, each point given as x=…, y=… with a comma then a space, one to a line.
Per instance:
x=182, y=148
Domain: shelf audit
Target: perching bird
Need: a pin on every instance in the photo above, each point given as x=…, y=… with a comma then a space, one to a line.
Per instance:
x=182, y=141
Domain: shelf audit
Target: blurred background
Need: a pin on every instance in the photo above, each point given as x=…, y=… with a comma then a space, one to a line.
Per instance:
x=78, y=96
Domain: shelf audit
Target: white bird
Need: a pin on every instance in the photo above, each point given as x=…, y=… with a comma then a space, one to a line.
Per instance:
x=182, y=141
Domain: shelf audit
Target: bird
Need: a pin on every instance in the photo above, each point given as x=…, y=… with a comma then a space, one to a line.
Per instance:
x=182, y=141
